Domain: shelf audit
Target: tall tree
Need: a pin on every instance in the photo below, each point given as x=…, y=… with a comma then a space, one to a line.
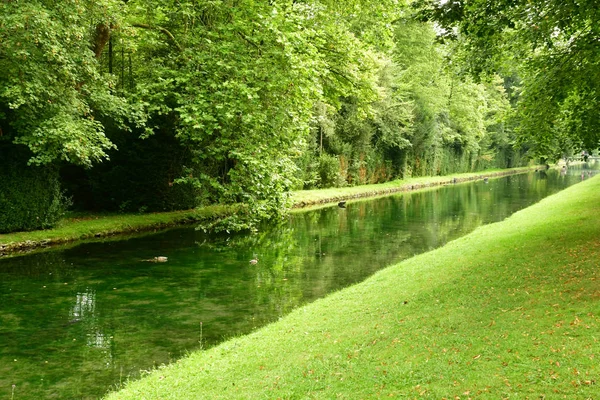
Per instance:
x=557, y=47
x=240, y=79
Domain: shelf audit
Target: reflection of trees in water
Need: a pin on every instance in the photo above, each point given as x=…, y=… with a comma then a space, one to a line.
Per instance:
x=265, y=291
x=85, y=304
x=47, y=323
x=83, y=313
x=42, y=265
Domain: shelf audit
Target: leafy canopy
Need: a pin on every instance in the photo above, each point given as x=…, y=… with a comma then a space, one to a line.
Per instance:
x=51, y=91
x=553, y=45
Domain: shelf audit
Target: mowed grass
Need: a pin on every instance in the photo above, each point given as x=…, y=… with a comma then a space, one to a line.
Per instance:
x=510, y=311
x=302, y=198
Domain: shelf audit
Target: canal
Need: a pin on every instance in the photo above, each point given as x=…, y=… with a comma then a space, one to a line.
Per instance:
x=78, y=322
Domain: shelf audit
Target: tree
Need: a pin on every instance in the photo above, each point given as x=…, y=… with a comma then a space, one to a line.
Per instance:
x=51, y=91
x=555, y=45
x=52, y=98
x=240, y=79
x=237, y=95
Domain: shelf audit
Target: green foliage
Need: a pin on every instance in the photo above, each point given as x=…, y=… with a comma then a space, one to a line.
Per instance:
x=553, y=46
x=428, y=118
x=51, y=91
x=30, y=197
x=203, y=102
x=329, y=171
x=241, y=80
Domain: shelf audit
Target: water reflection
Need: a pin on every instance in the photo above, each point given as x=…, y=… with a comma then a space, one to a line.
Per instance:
x=79, y=321
x=85, y=303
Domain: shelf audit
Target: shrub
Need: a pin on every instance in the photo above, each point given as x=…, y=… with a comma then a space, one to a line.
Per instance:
x=329, y=171
x=30, y=197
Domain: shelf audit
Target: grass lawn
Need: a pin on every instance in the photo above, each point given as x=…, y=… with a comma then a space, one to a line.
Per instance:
x=511, y=310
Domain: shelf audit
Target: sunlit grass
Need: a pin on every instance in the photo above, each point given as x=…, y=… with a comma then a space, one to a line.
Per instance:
x=509, y=311
x=304, y=198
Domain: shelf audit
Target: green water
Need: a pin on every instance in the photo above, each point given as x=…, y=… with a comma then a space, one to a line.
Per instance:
x=76, y=323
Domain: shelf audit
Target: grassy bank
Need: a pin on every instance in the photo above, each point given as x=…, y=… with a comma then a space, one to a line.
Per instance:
x=99, y=226
x=80, y=228
x=303, y=198
x=510, y=311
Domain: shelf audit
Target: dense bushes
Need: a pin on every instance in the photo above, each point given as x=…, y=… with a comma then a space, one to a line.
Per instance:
x=30, y=197
x=139, y=176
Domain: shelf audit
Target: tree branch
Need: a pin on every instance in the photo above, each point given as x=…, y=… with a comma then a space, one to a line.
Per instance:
x=160, y=29
x=248, y=40
x=341, y=75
